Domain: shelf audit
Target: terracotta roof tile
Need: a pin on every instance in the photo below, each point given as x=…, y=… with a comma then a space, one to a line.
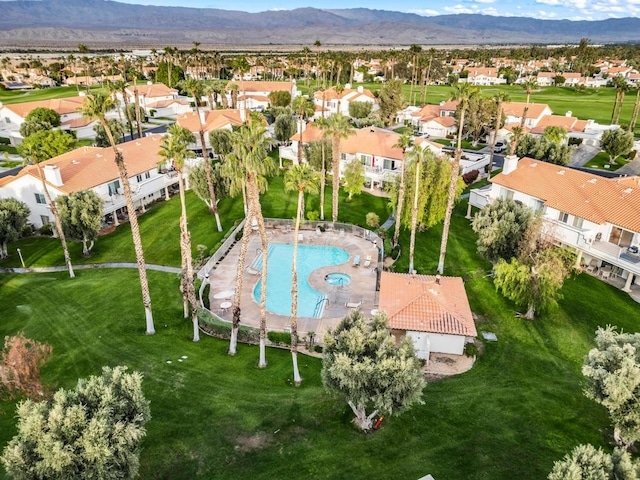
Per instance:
x=516, y=109
x=582, y=194
x=213, y=119
x=63, y=106
x=419, y=303
x=570, y=124
x=259, y=86
x=153, y=90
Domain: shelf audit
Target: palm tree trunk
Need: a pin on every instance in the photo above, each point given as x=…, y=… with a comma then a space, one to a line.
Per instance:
x=494, y=139
x=207, y=169
x=137, y=99
x=396, y=233
x=58, y=224
x=336, y=177
x=414, y=216
x=127, y=113
x=636, y=109
x=242, y=257
x=300, y=143
x=323, y=181
x=615, y=105
x=185, y=244
x=619, y=107
x=294, y=293
x=455, y=171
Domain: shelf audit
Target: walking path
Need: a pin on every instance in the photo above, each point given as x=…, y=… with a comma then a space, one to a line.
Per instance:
x=159, y=268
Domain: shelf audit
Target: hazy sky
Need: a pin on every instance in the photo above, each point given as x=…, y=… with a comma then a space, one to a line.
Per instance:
x=549, y=9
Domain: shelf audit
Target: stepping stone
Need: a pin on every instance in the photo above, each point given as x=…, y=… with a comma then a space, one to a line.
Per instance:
x=169, y=361
x=490, y=336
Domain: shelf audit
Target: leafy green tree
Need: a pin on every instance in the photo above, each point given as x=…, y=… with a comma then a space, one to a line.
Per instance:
x=612, y=370
x=117, y=130
x=534, y=280
x=499, y=99
x=480, y=112
x=13, y=218
x=220, y=141
x=302, y=179
x=501, y=226
x=586, y=462
x=362, y=363
x=162, y=75
x=353, y=178
x=554, y=134
x=198, y=182
x=81, y=215
x=542, y=149
x=175, y=148
x=37, y=148
x=284, y=128
x=616, y=142
x=279, y=98
x=390, y=100
x=40, y=118
x=92, y=431
x=360, y=109
x=305, y=108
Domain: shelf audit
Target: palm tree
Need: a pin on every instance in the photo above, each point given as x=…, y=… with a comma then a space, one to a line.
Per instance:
x=113, y=89
x=95, y=107
x=305, y=108
x=528, y=85
x=463, y=93
x=195, y=87
x=337, y=126
x=499, y=98
x=636, y=109
x=622, y=87
x=418, y=156
x=175, y=147
x=121, y=85
x=339, y=89
x=36, y=153
x=404, y=142
x=248, y=165
x=303, y=179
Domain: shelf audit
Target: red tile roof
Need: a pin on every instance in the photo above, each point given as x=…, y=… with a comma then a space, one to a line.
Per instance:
x=421, y=303
x=584, y=195
x=63, y=106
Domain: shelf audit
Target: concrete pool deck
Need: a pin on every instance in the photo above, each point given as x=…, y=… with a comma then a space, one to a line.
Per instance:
x=362, y=287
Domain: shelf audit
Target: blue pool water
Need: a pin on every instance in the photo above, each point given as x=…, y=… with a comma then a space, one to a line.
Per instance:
x=310, y=258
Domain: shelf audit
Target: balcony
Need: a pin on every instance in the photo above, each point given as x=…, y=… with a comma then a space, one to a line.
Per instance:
x=479, y=197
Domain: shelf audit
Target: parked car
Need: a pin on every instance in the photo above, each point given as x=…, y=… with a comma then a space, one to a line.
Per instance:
x=499, y=147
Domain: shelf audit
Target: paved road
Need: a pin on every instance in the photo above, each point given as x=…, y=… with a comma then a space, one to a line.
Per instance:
x=159, y=268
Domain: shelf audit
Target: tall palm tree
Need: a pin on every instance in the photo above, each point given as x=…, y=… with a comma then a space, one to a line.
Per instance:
x=96, y=107
x=339, y=89
x=113, y=89
x=121, y=85
x=620, y=83
x=195, y=88
x=499, y=98
x=249, y=164
x=175, y=147
x=418, y=155
x=463, y=93
x=404, y=142
x=636, y=109
x=337, y=127
x=303, y=179
x=136, y=97
x=305, y=108
x=37, y=152
x=528, y=86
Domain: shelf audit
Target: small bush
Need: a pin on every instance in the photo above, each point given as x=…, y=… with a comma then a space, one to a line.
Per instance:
x=387, y=247
x=4, y=141
x=470, y=349
x=239, y=235
x=322, y=228
x=575, y=141
x=317, y=348
x=373, y=220
x=279, y=338
x=632, y=155
x=46, y=230
x=313, y=215
x=470, y=177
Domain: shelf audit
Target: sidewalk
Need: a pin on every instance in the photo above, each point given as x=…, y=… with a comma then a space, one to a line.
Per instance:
x=159, y=268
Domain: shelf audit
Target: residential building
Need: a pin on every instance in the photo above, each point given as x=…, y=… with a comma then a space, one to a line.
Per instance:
x=598, y=217
x=433, y=311
x=254, y=95
x=483, y=76
x=94, y=168
x=211, y=120
x=157, y=99
x=332, y=102
x=514, y=111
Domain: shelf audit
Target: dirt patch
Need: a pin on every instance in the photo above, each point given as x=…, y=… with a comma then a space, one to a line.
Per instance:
x=248, y=443
x=479, y=318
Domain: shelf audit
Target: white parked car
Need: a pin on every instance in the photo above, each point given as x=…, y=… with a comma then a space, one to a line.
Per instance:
x=499, y=147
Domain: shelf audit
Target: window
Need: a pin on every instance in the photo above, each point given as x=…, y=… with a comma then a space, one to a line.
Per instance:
x=45, y=220
x=40, y=198
x=343, y=156
x=113, y=187
x=538, y=206
x=138, y=178
x=389, y=164
x=577, y=222
x=147, y=175
x=507, y=194
x=366, y=160
x=563, y=217
x=7, y=119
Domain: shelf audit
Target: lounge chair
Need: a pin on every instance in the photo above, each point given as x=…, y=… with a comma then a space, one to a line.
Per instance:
x=300, y=238
x=354, y=305
x=593, y=266
x=253, y=271
x=356, y=261
x=367, y=261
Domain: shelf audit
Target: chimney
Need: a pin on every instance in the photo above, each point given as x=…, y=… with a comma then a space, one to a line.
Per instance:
x=202, y=116
x=360, y=89
x=510, y=164
x=52, y=175
x=569, y=113
x=438, y=277
x=243, y=115
x=347, y=86
x=149, y=82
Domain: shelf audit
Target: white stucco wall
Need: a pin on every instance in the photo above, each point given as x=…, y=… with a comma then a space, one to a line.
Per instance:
x=426, y=342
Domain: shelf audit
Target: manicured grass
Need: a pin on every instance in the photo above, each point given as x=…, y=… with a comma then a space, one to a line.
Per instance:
x=601, y=160
x=213, y=416
x=9, y=97
x=8, y=149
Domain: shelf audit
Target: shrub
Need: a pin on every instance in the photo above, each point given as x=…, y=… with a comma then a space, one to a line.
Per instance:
x=46, y=230
x=470, y=177
x=575, y=141
x=372, y=219
x=317, y=348
x=632, y=155
x=387, y=247
x=322, y=228
x=470, y=350
x=279, y=338
x=313, y=215
x=239, y=235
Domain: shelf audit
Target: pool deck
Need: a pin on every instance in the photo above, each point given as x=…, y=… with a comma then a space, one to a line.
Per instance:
x=360, y=289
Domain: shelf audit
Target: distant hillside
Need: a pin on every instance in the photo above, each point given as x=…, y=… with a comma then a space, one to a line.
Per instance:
x=43, y=22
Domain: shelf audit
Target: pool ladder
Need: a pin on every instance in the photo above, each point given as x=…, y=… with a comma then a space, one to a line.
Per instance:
x=319, y=306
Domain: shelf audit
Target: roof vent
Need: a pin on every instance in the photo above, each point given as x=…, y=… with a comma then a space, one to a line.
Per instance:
x=534, y=164
x=593, y=180
x=561, y=172
x=628, y=190
x=75, y=162
x=138, y=144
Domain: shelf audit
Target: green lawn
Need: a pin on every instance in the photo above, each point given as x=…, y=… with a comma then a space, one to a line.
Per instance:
x=601, y=161
x=213, y=416
x=8, y=149
x=12, y=96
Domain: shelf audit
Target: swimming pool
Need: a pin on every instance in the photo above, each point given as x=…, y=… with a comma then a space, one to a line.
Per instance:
x=310, y=258
x=337, y=279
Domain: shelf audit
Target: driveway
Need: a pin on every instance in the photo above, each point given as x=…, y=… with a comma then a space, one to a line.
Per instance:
x=582, y=155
